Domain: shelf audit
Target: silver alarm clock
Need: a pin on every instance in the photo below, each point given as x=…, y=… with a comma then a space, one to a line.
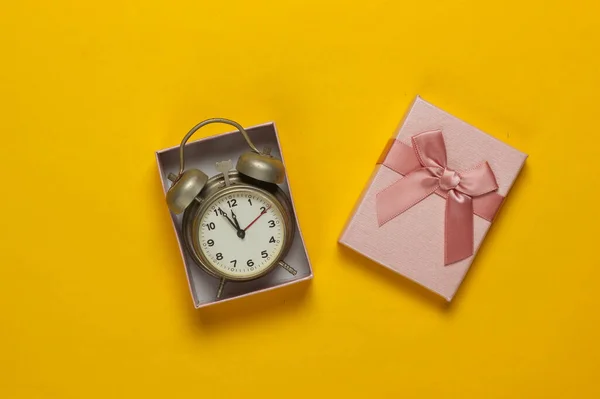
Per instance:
x=238, y=225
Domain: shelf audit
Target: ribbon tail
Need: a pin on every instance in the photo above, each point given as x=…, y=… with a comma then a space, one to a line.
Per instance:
x=458, y=227
x=404, y=194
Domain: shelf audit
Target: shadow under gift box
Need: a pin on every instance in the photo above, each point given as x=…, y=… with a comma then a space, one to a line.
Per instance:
x=412, y=243
x=203, y=154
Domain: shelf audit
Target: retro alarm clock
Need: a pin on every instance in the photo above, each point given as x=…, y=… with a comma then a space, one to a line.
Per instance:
x=238, y=225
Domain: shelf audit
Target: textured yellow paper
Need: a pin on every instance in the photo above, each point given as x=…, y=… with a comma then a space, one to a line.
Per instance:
x=93, y=297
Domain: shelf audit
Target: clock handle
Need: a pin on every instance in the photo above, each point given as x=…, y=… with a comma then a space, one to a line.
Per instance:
x=207, y=122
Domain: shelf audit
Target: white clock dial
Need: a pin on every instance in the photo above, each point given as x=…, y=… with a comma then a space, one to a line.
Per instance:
x=242, y=234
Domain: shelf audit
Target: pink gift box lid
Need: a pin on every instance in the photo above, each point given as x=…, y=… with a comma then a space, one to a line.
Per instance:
x=412, y=244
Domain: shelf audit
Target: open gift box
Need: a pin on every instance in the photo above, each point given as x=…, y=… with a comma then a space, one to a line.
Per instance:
x=203, y=154
x=432, y=197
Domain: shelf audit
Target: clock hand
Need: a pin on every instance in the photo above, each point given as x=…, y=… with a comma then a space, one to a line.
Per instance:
x=227, y=217
x=235, y=220
x=252, y=222
x=240, y=233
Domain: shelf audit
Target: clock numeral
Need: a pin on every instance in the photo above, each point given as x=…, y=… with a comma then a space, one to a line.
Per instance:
x=262, y=209
x=234, y=262
x=264, y=254
x=271, y=223
x=219, y=256
x=272, y=240
x=218, y=212
x=250, y=263
x=211, y=242
x=250, y=201
x=232, y=203
x=211, y=226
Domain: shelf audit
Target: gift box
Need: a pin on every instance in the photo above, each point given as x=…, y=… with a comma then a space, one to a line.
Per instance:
x=203, y=154
x=432, y=198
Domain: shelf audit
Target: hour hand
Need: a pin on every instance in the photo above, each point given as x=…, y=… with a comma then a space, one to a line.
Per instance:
x=237, y=224
x=228, y=219
x=241, y=233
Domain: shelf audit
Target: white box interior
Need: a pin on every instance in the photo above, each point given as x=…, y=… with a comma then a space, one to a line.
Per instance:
x=203, y=154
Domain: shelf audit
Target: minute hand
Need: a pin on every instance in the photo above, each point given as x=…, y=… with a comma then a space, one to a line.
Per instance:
x=240, y=233
x=258, y=217
x=227, y=217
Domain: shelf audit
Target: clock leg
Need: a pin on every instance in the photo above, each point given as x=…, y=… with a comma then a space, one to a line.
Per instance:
x=287, y=267
x=220, y=290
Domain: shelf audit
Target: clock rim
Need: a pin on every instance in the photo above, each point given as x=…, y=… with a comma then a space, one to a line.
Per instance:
x=214, y=190
x=205, y=208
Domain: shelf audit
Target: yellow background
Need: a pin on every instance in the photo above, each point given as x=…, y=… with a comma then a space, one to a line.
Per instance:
x=93, y=296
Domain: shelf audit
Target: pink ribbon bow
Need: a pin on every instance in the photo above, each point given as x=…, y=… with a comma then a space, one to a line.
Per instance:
x=426, y=172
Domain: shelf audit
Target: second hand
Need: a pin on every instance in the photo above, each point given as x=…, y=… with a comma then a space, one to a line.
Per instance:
x=258, y=217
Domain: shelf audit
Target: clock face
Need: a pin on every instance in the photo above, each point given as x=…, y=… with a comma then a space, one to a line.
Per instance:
x=242, y=234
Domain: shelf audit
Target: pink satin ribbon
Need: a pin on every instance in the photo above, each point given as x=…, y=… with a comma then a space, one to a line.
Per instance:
x=425, y=171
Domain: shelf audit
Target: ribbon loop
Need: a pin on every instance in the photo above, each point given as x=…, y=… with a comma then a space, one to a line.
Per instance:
x=465, y=192
x=430, y=149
